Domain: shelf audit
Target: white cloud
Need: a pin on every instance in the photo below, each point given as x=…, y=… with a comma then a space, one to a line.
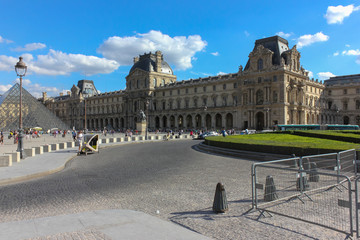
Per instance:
x=4, y=88
x=59, y=63
x=284, y=35
x=310, y=74
x=336, y=53
x=36, y=89
x=215, y=54
x=325, y=75
x=347, y=45
x=3, y=40
x=221, y=73
x=30, y=47
x=246, y=33
x=358, y=60
x=309, y=39
x=7, y=63
x=178, y=50
x=337, y=14
x=352, y=52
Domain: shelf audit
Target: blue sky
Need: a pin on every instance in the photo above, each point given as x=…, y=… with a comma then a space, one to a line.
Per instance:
x=65, y=41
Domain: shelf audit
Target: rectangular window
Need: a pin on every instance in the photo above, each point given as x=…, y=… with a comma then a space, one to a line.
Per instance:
x=358, y=90
x=163, y=94
x=235, y=85
x=187, y=90
x=195, y=90
x=204, y=89
x=224, y=86
x=178, y=91
x=274, y=78
x=170, y=92
x=214, y=88
x=345, y=91
x=163, y=105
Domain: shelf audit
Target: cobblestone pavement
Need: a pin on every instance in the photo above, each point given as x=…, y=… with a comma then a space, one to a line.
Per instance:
x=90, y=234
x=169, y=180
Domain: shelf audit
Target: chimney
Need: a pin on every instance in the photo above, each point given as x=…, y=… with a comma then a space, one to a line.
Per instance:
x=158, y=61
x=68, y=93
x=61, y=94
x=136, y=59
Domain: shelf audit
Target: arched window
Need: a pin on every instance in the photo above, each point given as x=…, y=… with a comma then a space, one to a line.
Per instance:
x=163, y=82
x=260, y=64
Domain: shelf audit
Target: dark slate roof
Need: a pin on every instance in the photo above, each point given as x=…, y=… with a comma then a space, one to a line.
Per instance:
x=341, y=80
x=147, y=62
x=276, y=44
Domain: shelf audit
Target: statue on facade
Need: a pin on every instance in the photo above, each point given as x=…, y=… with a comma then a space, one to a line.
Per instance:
x=142, y=116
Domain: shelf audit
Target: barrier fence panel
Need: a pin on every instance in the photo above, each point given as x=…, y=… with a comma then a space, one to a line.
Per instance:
x=315, y=189
x=357, y=206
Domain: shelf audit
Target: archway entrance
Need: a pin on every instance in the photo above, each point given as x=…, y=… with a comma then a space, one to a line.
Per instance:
x=259, y=121
x=180, y=121
x=198, y=121
x=229, y=121
x=189, y=121
x=346, y=120
x=218, y=121
x=172, y=121
x=157, y=122
x=164, y=121
x=208, y=121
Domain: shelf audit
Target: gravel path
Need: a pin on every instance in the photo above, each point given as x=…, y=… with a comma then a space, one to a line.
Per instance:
x=170, y=180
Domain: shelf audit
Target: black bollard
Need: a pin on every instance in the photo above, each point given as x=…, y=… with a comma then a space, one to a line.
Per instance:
x=270, y=190
x=220, y=204
x=313, y=176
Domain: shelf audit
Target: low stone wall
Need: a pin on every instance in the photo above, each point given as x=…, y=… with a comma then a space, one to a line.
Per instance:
x=5, y=160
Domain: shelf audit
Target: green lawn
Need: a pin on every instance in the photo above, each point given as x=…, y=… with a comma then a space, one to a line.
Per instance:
x=285, y=140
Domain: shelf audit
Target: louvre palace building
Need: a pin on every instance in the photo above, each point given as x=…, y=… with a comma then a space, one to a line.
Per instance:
x=272, y=88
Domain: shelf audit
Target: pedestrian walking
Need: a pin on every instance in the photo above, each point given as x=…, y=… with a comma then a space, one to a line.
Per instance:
x=79, y=138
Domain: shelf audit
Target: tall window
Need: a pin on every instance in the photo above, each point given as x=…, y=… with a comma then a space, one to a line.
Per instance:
x=260, y=64
x=357, y=104
x=163, y=82
x=154, y=82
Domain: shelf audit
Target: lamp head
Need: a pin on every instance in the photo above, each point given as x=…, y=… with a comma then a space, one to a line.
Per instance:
x=20, y=67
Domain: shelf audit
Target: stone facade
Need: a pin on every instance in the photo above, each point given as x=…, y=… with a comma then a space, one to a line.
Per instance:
x=341, y=100
x=273, y=88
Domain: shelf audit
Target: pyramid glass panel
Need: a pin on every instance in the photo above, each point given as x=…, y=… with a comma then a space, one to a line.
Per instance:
x=34, y=113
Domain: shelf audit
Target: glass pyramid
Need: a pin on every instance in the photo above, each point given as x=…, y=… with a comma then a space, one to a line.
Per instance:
x=34, y=113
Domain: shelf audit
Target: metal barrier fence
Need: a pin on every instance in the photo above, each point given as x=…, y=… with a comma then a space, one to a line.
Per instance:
x=315, y=189
x=357, y=206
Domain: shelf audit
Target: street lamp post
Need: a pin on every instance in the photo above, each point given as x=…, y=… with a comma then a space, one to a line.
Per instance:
x=20, y=69
x=147, y=118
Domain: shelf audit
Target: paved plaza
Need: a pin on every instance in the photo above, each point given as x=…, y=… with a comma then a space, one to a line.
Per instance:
x=158, y=189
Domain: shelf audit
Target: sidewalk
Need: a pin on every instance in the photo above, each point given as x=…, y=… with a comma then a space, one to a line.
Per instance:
x=105, y=224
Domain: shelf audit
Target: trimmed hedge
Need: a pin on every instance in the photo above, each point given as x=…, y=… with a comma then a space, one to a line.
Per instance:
x=331, y=135
x=288, y=144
